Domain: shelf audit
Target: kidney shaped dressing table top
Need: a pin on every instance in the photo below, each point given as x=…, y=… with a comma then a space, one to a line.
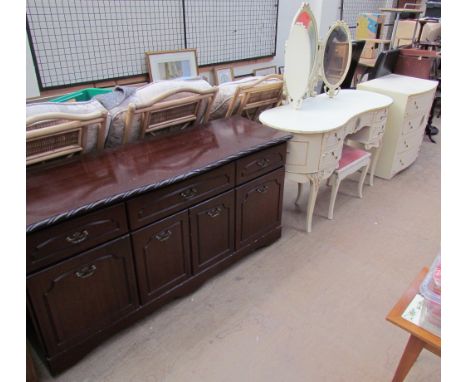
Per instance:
x=321, y=126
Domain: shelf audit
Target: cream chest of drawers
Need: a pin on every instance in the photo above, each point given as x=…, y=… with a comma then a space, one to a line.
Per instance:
x=406, y=121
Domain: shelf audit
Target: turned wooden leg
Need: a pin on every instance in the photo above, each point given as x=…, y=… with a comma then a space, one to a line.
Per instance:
x=374, y=160
x=409, y=357
x=335, y=185
x=314, y=187
x=299, y=193
x=362, y=178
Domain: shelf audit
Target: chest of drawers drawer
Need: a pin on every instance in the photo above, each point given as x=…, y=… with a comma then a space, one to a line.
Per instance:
x=410, y=141
x=419, y=104
x=404, y=159
x=260, y=163
x=411, y=125
x=76, y=235
x=163, y=202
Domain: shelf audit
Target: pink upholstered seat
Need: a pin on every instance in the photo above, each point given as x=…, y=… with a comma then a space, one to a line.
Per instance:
x=350, y=155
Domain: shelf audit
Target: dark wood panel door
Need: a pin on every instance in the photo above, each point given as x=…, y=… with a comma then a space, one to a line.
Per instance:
x=162, y=255
x=81, y=296
x=258, y=207
x=212, y=231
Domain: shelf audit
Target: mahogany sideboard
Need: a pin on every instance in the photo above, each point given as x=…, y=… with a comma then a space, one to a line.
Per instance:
x=115, y=235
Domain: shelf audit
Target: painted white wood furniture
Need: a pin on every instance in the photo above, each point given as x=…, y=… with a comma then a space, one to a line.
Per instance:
x=352, y=160
x=407, y=119
x=320, y=126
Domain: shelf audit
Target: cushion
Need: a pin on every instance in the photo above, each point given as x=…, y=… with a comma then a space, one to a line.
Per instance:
x=72, y=108
x=142, y=96
x=350, y=155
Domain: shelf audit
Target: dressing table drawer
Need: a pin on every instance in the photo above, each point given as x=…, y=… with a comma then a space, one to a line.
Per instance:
x=163, y=202
x=334, y=139
x=330, y=159
x=414, y=124
x=380, y=115
x=58, y=242
x=260, y=163
x=419, y=104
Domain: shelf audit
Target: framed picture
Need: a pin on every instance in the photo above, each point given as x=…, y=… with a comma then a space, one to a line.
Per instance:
x=167, y=65
x=222, y=75
x=280, y=69
x=265, y=71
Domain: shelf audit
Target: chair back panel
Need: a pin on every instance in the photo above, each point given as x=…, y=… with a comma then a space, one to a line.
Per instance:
x=53, y=135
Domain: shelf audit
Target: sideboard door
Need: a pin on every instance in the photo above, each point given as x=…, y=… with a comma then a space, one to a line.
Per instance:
x=258, y=207
x=162, y=255
x=212, y=231
x=81, y=296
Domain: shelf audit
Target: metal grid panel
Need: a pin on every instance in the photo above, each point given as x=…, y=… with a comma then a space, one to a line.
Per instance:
x=353, y=8
x=79, y=41
x=224, y=31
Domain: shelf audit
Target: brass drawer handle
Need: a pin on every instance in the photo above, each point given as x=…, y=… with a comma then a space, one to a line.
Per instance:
x=214, y=212
x=86, y=272
x=164, y=235
x=78, y=237
x=262, y=189
x=263, y=162
x=190, y=193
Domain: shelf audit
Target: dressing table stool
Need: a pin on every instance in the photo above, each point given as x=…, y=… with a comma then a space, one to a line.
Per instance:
x=352, y=160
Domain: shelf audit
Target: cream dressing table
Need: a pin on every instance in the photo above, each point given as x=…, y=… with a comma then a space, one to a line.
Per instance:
x=321, y=123
x=320, y=127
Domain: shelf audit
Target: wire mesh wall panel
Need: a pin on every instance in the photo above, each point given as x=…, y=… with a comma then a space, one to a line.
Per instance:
x=351, y=9
x=224, y=31
x=79, y=41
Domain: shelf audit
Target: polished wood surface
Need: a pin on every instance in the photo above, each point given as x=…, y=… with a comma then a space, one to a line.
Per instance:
x=419, y=337
x=394, y=316
x=88, y=182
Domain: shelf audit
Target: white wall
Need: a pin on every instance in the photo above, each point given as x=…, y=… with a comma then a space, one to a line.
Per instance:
x=32, y=87
x=326, y=12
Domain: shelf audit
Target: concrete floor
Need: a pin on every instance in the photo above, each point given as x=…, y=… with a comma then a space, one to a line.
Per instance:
x=310, y=307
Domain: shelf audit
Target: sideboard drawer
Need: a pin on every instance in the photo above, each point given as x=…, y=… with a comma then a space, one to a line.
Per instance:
x=260, y=163
x=161, y=203
x=73, y=236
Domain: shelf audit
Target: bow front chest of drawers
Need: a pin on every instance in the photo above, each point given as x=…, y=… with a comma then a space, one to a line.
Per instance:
x=406, y=122
x=113, y=236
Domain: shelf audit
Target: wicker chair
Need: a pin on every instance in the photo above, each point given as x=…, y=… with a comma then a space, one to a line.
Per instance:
x=175, y=109
x=56, y=134
x=251, y=99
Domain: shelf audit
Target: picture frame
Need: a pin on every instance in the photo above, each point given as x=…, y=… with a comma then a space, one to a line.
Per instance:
x=171, y=64
x=265, y=71
x=223, y=74
x=280, y=69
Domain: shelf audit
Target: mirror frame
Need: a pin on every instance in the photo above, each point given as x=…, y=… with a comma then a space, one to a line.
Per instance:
x=331, y=89
x=305, y=7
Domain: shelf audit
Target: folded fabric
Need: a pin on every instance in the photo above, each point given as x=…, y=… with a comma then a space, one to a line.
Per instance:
x=116, y=97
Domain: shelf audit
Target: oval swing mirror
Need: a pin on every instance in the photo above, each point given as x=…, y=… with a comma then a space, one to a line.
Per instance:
x=300, y=55
x=336, y=57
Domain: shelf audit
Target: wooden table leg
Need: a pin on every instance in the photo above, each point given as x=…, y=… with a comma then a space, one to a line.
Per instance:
x=31, y=374
x=314, y=180
x=409, y=357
